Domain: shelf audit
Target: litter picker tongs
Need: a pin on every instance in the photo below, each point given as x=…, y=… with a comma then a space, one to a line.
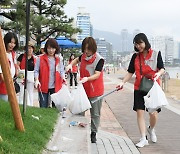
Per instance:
x=106, y=94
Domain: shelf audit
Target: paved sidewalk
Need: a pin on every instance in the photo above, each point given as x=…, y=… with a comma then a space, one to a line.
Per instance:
x=167, y=128
x=118, y=132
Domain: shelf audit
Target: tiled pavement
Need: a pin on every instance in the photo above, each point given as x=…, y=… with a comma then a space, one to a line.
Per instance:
x=119, y=132
x=167, y=128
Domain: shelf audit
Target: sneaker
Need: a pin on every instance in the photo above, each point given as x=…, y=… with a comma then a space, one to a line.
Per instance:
x=71, y=87
x=152, y=134
x=75, y=87
x=93, y=137
x=142, y=143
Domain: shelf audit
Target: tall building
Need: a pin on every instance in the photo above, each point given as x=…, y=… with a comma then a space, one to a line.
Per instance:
x=164, y=44
x=83, y=23
x=109, y=55
x=126, y=43
x=135, y=32
x=101, y=47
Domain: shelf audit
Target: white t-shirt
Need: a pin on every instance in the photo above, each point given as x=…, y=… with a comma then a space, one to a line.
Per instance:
x=12, y=67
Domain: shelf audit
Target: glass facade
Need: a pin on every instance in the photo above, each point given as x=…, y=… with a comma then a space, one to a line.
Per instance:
x=83, y=23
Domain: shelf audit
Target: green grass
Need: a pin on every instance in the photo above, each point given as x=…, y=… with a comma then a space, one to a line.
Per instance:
x=37, y=132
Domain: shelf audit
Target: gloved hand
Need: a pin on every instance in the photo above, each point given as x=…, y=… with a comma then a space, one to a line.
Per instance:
x=156, y=76
x=64, y=81
x=83, y=80
x=69, y=67
x=37, y=83
x=120, y=86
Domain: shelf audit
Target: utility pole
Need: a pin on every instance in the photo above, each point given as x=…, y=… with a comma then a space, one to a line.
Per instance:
x=10, y=86
x=26, y=64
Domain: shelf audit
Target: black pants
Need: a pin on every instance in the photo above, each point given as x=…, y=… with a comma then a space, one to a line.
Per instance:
x=71, y=79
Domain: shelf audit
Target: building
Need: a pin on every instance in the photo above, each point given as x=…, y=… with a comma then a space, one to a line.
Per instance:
x=101, y=47
x=84, y=24
x=165, y=44
x=126, y=39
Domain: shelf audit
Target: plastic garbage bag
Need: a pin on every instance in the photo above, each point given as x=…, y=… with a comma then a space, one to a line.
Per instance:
x=80, y=101
x=62, y=98
x=155, y=98
x=30, y=76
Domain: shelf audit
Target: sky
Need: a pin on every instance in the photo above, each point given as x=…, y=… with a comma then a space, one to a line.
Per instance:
x=153, y=17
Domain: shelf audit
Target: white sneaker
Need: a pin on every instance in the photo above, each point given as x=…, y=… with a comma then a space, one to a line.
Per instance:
x=75, y=87
x=152, y=134
x=71, y=87
x=142, y=143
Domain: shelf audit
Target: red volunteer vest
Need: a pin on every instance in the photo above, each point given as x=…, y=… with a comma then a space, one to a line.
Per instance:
x=74, y=68
x=22, y=64
x=3, y=90
x=93, y=88
x=146, y=69
x=44, y=74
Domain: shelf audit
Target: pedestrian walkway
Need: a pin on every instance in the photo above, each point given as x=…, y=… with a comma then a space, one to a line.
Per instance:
x=118, y=132
x=111, y=138
x=167, y=128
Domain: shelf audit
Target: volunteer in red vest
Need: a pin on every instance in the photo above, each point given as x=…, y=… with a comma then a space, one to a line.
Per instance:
x=73, y=72
x=91, y=74
x=152, y=66
x=30, y=75
x=49, y=72
x=11, y=44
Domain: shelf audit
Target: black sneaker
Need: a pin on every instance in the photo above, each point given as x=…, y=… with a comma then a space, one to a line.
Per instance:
x=93, y=137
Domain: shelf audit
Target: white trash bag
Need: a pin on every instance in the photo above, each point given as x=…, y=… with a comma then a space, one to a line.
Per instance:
x=80, y=100
x=62, y=98
x=30, y=76
x=155, y=98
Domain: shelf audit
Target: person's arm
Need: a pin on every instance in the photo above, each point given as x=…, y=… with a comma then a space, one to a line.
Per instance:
x=94, y=76
x=62, y=72
x=129, y=74
x=127, y=77
x=1, y=77
x=73, y=62
x=160, y=66
x=36, y=69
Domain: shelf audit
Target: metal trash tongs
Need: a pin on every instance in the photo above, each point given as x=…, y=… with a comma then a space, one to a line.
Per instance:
x=108, y=93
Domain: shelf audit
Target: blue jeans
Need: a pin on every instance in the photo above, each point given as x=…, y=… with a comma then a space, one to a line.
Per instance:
x=44, y=98
x=4, y=97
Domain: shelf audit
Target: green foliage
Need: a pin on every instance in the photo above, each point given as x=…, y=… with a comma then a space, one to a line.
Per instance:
x=5, y=2
x=47, y=19
x=37, y=132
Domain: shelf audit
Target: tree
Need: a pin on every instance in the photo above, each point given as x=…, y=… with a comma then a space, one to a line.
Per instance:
x=47, y=19
x=5, y=4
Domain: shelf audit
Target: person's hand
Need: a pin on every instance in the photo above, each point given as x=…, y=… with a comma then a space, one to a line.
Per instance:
x=156, y=76
x=64, y=81
x=83, y=80
x=120, y=86
x=69, y=67
x=37, y=83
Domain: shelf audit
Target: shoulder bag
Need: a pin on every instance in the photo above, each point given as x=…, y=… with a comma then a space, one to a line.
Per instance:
x=146, y=83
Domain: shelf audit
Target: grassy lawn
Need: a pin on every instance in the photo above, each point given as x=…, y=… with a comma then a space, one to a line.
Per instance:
x=37, y=132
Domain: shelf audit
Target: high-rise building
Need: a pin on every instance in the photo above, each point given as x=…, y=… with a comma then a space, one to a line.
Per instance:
x=164, y=44
x=126, y=43
x=135, y=32
x=84, y=24
x=101, y=47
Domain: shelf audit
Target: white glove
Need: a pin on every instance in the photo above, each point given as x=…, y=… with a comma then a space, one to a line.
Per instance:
x=83, y=80
x=69, y=67
x=156, y=76
x=37, y=83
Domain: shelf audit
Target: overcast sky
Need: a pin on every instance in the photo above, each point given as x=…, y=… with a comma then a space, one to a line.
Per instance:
x=153, y=17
